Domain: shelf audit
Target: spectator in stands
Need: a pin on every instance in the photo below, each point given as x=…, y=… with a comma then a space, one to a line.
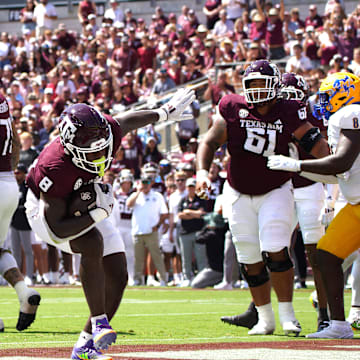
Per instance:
x=151, y=151
x=146, y=54
x=311, y=46
x=328, y=46
x=85, y=9
x=355, y=63
x=223, y=25
x=163, y=82
x=257, y=30
x=347, y=42
x=45, y=133
x=274, y=35
x=191, y=24
x=114, y=12
x=211, y=10
x=216, y=91
x=149, y=214
x=295, y=22
x=20, y=230
x=27, y=153
x=183, y=17
x=66, y=39
x=235, y=8
x=314, y=19
x=299, y=63
x=44, y=15
x=133, y=156
x=191, y=210
x=27, y=17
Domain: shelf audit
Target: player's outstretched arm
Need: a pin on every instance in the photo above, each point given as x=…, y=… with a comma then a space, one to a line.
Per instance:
x=172, y=111
x=347, y=151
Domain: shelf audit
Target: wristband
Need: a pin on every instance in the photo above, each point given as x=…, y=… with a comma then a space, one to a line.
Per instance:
x=202, y=174
x=98, y=215
x=163, y=115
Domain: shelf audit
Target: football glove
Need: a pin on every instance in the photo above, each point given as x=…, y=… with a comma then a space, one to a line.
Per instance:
x=281, y=162
x=173, y=110
x=104, y=199
x=203, y=184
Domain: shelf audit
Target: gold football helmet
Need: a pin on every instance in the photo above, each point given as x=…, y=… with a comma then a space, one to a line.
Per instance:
x=338, y=90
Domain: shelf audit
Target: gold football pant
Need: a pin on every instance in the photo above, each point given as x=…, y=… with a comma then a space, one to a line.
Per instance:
x=343, y=235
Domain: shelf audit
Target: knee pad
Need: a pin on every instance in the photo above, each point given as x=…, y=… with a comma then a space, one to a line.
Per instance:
x=278, y=265
x=7, y=261
x=254, y=280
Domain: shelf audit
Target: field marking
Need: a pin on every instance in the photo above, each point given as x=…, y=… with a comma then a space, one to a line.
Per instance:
x=122, y=340
x=224, y=354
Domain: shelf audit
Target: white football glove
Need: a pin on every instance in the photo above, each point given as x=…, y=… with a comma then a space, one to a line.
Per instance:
x=281, y=162
x=203, y=184
x=173, y=110
x=104, y=202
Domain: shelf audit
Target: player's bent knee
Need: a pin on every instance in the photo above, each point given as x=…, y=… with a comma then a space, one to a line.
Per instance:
x=257, y=279
x=279, y=263
x=89, y=244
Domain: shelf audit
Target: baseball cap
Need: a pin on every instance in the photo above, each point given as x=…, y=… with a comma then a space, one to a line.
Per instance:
x=48, y=91
x=254, y=46
x=299, y=31
x=312, y=7
x=309, y=28
x=191, y=182
x=91, y=16
x=172, y=15
x=257, y=18
x=150, y=138
x=273, y=12
x=202, y=28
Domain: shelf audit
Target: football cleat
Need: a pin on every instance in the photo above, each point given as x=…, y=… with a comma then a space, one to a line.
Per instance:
x=335, y=330
x=88, y=351
x=262, y=328
x=28, y=309
x=247, y=319
x=291, y=327
x=223, y=286
x=103, y=335
x=354, y=318
x=323, y=324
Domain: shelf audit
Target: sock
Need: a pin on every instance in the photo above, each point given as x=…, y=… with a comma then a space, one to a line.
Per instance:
x=340, y=323
x=95, y=318
x=286, y=312
x=21, y=290
x=266, y=313
x=83, y=339
x=323, y=314
x=167, y=277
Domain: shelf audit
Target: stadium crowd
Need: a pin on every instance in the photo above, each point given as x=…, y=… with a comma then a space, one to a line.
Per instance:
x=117, y=61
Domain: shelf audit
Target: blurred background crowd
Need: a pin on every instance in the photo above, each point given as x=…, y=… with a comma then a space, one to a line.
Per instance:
x=118, y=61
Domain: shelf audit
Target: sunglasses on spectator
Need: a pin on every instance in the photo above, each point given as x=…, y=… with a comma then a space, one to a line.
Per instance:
x=146, y=182
x=179, y=180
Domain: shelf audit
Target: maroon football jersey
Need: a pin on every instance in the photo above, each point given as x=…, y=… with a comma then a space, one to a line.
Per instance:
x=299, y=181
x=6, y=135
x=125, y=212
x=54, y=172
x=253, y=137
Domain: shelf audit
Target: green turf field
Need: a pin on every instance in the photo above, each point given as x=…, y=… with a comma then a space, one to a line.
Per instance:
x=146, y=316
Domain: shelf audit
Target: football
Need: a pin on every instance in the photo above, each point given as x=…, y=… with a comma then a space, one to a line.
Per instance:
x=82, y=201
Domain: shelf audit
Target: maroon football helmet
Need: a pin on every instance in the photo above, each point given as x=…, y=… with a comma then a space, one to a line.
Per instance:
x=261, y=70
x=294, y=86
x=83, y=130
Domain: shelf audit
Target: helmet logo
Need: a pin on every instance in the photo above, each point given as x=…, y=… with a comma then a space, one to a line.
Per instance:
x=85, y=196
x=67, y=129
x=344, y=85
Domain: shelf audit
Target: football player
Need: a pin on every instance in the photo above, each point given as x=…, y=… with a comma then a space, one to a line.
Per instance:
x=339, y=97
x=80, y=156
x=256, y=125
x=9, y=156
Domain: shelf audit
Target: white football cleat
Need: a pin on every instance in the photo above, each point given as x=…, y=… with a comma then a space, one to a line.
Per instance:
x=291, y=327
x=336, y=330
x=262, y=328
x=354, y=318
x=223, y=286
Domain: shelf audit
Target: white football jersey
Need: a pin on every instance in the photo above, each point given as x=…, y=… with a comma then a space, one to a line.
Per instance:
x=347, y=117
